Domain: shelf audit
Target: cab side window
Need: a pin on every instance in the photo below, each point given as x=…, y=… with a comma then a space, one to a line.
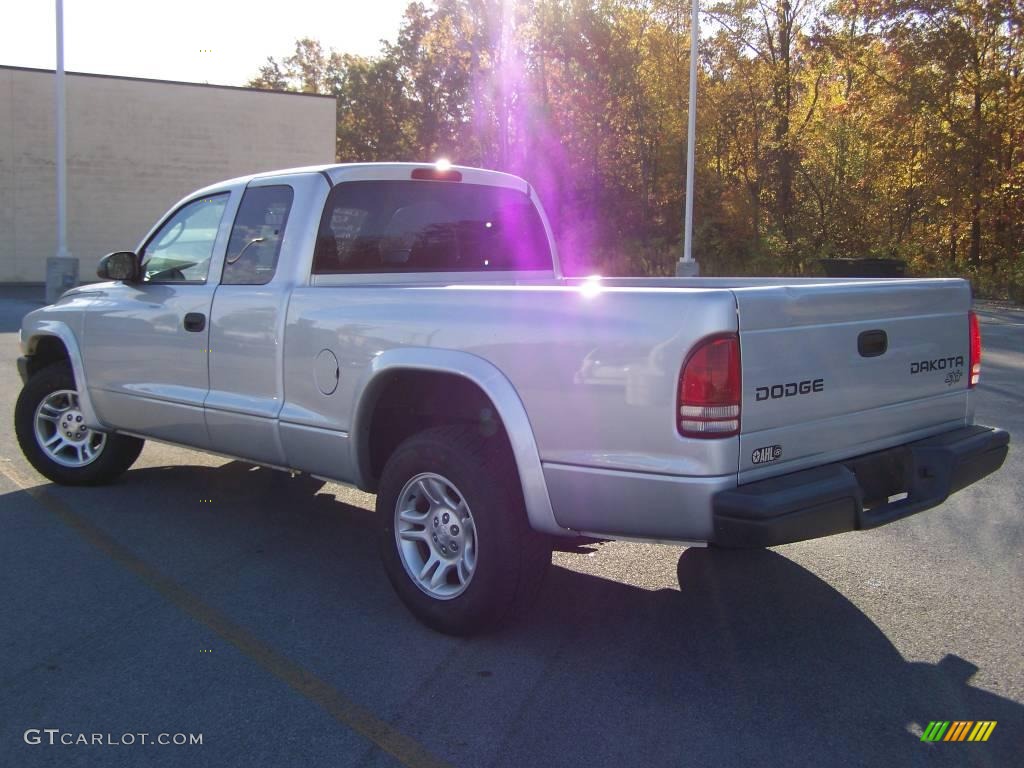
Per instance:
x=256, y=236
x=180, y=251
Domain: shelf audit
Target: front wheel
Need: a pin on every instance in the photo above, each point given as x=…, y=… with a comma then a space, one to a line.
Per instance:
x=453, y=532
x=51, y=431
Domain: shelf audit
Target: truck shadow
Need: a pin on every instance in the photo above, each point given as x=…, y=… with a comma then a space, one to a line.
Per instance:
x=753, y=660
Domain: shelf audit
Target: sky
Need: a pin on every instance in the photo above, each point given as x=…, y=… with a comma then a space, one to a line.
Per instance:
x=204, y=41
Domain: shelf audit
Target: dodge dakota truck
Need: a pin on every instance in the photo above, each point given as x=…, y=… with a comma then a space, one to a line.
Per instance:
x=406, y=329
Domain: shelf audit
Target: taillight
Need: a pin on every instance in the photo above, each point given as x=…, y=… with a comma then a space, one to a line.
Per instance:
x=975, y=349
x=709, y=389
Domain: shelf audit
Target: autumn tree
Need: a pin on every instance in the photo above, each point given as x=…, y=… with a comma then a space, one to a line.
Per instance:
x=825, y=128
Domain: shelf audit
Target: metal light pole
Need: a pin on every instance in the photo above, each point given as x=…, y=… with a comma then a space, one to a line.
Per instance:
x=687, y=266
x=62, y=269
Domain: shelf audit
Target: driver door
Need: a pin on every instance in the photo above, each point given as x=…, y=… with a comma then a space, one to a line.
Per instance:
x=146, y=344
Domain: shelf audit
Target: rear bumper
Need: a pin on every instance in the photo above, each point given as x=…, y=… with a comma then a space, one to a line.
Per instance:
x=853, y=494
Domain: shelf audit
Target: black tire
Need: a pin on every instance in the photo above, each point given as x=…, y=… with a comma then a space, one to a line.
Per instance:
x=118, y=453
x=511, y=558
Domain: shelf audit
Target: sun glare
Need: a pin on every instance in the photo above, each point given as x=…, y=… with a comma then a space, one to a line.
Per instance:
x=591, y=286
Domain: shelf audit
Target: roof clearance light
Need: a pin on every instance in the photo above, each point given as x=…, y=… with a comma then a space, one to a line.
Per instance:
x=441, y=171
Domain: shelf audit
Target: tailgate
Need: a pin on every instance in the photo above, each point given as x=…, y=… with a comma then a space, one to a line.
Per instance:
x=834, y=370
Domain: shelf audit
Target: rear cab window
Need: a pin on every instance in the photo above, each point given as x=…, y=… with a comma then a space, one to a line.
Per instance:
x=429, y=226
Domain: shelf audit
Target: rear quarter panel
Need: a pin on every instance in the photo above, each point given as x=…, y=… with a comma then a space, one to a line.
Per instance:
x=597, y=370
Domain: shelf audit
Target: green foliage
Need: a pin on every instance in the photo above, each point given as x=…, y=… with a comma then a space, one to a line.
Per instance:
x=826, y=128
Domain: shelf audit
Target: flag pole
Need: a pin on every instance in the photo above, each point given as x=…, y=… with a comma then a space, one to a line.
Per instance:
x=687, y=265
x=62, y=269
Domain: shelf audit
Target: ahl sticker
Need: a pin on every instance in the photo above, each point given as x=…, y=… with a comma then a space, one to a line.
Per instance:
x=767, y=454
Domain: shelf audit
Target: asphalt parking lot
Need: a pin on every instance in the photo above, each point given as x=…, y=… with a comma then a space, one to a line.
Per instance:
x=203, y=596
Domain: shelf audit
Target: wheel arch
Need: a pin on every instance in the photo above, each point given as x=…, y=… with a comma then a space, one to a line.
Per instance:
x=491, y=383
x=49, y=341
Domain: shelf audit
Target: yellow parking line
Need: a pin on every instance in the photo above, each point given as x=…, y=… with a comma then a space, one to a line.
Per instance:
x=343, y=710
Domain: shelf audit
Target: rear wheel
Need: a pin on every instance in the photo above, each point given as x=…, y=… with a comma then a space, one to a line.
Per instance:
x=453, y=532
x=52, y=433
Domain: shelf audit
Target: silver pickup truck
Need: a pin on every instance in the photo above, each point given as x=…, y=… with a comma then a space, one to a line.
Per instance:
x=406, y=329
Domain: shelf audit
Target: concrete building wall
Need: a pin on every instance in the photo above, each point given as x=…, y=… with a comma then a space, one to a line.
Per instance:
x=134, y=147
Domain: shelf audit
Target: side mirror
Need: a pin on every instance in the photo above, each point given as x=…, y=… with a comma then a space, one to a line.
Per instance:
x=119, y=265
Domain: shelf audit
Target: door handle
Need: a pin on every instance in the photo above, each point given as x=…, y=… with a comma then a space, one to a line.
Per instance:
x=195, y=322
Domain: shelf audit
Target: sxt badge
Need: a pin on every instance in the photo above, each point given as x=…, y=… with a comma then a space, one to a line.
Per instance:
x=767, y=454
